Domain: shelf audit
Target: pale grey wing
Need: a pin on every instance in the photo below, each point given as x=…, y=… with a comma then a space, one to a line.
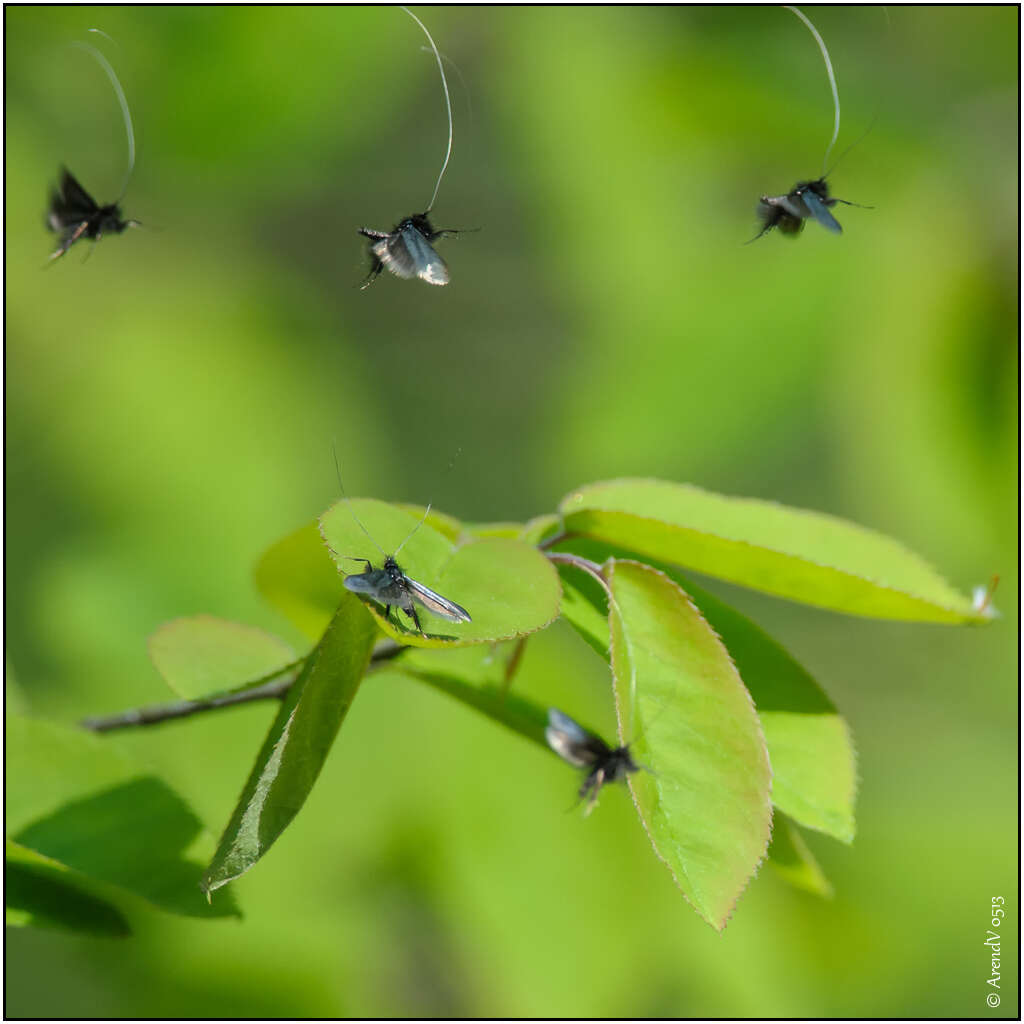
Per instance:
x=427, y=265
x=785, y=203
x=569, y=740
x=437, y=604
x=375, y=584
x=394, y=254
x=794, y=205
x=820, y=212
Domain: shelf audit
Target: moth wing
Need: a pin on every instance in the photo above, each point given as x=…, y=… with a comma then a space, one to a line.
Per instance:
x=394, y=253
x=437, y=604
x=427, y=265
x=820, y=212
x=571, y=742
x=72, y=202
x=373, y=583
x=790, y=225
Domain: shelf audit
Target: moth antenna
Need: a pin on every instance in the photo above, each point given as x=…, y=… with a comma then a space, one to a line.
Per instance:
x=831, y=77
x=874, y=119
x=462, y=80
x=430, y=505
x=423, y=519
x=447, y=103
x=119, y=92
x=348, y=504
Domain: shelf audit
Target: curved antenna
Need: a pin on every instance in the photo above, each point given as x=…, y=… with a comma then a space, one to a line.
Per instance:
x=423, y=519
x=348, y=504
x=874, y=118
x=831, y=77
x=462, y=80
x=430, y=505
x=447, y=103
x=115, y=82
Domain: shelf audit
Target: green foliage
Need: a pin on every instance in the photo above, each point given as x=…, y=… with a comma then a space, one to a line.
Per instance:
x=805, y=556
x=42, y=893
x=203, y=655
x=95, y=814
x=726, y=724
x=298, y=742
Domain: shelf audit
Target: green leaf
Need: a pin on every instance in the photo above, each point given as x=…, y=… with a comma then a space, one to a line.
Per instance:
x=203, y=654
x=477, y=676
x=706, y=800
x=297, y=744
x=40, y=893
x=814, y=767
x=812, y=757
x=448, y=526
x=789, y=856
x=508, y=587
x=75, y=799
x=297, y=577
x=805, y=556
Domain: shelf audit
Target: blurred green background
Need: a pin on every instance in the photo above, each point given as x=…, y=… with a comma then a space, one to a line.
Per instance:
x=171, y=404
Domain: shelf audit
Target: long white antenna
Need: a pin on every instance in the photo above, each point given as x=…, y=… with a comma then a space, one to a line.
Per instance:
x=831, y=77
x=348, y=504
x=447, y=103
x=112, y=75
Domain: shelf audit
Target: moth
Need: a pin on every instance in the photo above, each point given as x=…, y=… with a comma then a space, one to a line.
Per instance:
x=390, y=586
x=74, y=214
x=407, y=250
x=604, y=764
x=806, y=200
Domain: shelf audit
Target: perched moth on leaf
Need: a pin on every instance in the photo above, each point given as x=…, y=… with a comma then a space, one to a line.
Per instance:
x=73, y=213
x=604, y=764
x=407, y=250
x=390, y=586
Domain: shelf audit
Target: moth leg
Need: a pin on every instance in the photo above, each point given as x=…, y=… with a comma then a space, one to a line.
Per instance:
x=411, y=612
x=70, y=240
x=387, y=613
x=373, y=274
x=370, y=233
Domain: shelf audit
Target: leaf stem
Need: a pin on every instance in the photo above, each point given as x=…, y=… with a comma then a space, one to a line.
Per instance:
x=274, y=688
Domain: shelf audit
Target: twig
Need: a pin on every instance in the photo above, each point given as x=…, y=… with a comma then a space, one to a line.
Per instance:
x=274, y=689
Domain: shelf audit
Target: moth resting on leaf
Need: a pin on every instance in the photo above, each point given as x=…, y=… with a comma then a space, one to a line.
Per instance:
x=390, y=586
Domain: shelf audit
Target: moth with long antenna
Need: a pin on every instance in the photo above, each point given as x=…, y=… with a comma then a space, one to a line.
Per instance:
x=407, y=250
x=807, y=199
x=390, y=586
x=73, y=213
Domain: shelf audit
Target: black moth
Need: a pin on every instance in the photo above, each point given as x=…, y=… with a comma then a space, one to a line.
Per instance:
x=390, y=586
x=604, y=764
x=407, y=250
x=806, y=200
x=74, y=214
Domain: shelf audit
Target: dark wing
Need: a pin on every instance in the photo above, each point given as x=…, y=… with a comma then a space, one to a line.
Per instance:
x=437, y=604
x=571, y=742
x=820, y=212
x=424, y=261
x=73, y=202
x=790, y=225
